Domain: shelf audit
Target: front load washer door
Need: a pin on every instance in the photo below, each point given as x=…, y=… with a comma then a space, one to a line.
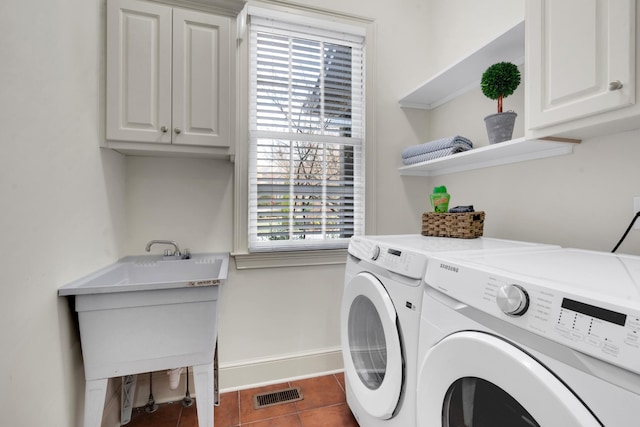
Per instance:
x=474, y=379
x=371, y=346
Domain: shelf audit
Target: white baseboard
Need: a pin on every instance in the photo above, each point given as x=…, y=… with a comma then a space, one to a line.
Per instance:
x=281, y=368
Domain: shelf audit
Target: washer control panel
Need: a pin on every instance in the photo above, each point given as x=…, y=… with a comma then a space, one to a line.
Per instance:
x=400, y=261
x=609, y=331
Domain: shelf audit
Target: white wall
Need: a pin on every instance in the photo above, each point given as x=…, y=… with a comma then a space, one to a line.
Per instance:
x=182, y=199
x=62, y=200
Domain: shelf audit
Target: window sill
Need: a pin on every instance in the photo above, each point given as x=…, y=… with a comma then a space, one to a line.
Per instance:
x=246, y=261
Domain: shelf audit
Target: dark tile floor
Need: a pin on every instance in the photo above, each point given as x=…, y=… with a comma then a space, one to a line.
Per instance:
x=323, y=405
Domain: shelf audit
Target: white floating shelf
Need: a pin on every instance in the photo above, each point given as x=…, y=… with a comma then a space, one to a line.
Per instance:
x=514, y=151
x=466, y=74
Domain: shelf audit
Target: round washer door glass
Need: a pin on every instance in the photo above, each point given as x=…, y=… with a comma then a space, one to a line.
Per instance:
x=477, y=379
x=367, y=345
x=371, y=346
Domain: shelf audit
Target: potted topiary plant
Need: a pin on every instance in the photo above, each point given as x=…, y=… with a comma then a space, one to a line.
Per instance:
x=499, y=81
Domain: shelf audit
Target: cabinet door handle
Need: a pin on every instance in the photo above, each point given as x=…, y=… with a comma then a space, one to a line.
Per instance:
x=164, y=129
x=616, y=85
x=177, y=130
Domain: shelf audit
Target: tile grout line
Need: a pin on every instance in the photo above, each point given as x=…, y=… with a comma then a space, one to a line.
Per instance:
x=239, y=409
x=339, y=384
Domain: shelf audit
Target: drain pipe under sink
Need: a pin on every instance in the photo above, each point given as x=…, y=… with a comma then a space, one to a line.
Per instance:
x=174, y=377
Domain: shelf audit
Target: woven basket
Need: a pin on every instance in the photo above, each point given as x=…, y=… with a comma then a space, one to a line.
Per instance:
x=466, y=225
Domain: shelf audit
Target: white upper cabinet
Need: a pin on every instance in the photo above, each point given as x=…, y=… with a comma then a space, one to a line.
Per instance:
x=138, y=71
x=579, y=66
x=200, y=65
x=168, y=80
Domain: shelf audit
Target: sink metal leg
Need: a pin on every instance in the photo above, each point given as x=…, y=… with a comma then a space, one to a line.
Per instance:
x=128, y=392
x=216, y=386
x=94, y=395
x=203, y=381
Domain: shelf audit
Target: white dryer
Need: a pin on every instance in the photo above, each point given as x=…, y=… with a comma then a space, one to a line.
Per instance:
x=380, y=319
x=548, y=338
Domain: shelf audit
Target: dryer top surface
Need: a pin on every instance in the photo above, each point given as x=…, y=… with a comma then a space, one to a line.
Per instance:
x=611, y=275
x=430, y=245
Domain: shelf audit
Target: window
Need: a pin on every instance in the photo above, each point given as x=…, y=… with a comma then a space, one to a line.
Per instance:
x=306, y=136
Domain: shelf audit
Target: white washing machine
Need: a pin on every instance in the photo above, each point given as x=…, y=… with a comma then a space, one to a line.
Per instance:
x=548, y=338
x=380, y=319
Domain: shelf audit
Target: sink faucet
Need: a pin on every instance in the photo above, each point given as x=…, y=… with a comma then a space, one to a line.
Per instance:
x=168, y=254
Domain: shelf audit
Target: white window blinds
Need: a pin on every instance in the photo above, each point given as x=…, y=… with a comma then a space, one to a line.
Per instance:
x=306, y=130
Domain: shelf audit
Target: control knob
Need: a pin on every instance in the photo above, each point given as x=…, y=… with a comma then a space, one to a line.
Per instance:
x=374, y=252
x=513, y=300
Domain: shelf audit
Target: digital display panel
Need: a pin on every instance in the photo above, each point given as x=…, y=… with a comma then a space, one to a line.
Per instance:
x=593, y=311
x=394, y=252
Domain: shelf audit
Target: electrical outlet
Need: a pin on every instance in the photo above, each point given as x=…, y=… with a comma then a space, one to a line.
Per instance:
x=636, y=208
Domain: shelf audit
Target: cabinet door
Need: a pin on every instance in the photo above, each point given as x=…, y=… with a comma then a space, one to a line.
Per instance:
x=138, y=71
x=201, y=102
x=577, y=51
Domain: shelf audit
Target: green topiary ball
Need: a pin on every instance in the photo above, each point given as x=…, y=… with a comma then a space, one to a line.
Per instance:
x=500, y=79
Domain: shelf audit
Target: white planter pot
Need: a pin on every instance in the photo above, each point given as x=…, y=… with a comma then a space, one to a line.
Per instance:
x=500, y=126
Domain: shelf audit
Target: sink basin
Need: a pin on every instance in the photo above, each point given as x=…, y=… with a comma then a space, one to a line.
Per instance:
x=144, y=314
x=140, y=273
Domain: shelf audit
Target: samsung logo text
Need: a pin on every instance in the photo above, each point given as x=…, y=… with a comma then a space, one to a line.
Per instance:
x=449, y=267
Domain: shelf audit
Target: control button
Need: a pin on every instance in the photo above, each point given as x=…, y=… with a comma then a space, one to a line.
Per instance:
x=513, y=300
x=611, y=349
x=374, y=253
x=575, y=336
x=632, y=339
x=632, y=343
x=593, y=341
x=633, y=324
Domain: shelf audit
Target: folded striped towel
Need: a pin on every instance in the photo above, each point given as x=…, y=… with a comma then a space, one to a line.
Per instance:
x=431, y=155
x=459, y=142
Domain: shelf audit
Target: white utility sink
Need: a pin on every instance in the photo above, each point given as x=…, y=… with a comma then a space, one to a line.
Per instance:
x=141, y=273
x=147, y=313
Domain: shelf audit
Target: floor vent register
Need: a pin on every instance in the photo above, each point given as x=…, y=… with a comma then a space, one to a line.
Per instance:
x=278, y=397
